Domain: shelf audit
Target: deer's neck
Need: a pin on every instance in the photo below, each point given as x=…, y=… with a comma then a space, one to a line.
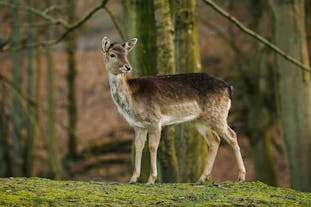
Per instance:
x=119, y=85
x=120, y=92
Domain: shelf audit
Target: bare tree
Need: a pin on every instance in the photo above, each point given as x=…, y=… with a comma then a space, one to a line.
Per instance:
x=190, y=147
x=71, y=47
x=294, y=89
x=5, y=167
x=54, y=156
x=139, y=16
x=261, y=104
x=28, y=148
x=165, y=65
x=16, y=60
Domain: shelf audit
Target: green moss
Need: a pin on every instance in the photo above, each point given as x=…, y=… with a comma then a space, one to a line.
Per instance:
x=45, y=192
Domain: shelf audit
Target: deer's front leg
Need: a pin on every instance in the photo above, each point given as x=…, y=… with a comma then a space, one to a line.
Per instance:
x=154, y=140
x=140, y=139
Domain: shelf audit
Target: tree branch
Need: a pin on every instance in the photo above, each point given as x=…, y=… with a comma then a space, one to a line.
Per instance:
x=69, y=27
x=256, y=36
x=115, y=22
x=43, y=14
x=80, y=22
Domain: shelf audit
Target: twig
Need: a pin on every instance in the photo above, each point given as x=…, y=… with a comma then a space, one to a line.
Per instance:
x=43, y=14
x=256, y=36
x=49, y=9
x=78, y=23
x=69, y=27
x=115, y=22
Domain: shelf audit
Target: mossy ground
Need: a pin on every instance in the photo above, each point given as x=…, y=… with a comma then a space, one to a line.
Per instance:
x=45, y=192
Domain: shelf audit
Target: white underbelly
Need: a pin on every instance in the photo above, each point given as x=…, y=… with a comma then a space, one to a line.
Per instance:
x=169, y=120
x=181, y=112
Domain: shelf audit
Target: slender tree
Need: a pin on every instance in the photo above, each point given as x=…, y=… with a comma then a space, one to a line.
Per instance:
x=294, y=90
x=71, y=47
x=4, y=133
x=37, y=77
x=54, y=159
x=190, y=147
x=139, y=16
x=16, y=61
x=38, y=65
x=308, y=25
x=28, y=148
x=260, y=98
x=165, y=65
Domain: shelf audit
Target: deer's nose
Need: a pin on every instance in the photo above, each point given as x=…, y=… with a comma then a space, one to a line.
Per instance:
x=127, y=67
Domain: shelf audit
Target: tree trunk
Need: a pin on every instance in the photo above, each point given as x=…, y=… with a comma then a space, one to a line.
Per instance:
x=28, y=149
x=140, y=24
x=294, y=90
x=54, y=159
x=37, y=80
x=71, y=47
x=308, y=25
x=260, y=120
x=16, y=61
x=5, y=168
x=139, y=16
x=261, y=111
x=190, y=146
x=165, y=65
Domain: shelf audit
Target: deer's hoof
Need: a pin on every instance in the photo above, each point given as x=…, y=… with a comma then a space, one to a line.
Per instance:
x=241, y=177
x=202, y=180
x=241, y=180
x=151, y=180
x=199, y=182
x=133, y=180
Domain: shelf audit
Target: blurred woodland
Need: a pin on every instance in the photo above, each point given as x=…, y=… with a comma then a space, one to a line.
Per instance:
x=57, y=118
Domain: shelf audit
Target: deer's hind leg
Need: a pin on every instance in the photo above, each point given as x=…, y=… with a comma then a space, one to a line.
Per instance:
x=230, y=136
x=213, y=142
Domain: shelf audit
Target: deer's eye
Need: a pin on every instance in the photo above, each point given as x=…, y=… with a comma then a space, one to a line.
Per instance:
x=112, y=55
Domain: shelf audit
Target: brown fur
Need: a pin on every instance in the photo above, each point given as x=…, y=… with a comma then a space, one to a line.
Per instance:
x=180, y=86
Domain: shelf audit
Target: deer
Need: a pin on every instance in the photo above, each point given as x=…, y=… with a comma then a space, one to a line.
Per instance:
x=152, y=102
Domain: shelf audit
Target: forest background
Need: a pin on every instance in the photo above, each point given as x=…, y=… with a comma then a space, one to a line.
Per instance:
x=57, y=118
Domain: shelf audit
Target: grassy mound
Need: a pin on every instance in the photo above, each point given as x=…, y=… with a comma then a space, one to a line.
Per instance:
x=45, y=192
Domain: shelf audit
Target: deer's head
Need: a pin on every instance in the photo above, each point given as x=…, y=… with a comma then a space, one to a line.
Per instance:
x=115, y=55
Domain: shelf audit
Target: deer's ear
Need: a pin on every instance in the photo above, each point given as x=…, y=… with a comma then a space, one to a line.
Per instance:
x=105, y=44
x=130, y=44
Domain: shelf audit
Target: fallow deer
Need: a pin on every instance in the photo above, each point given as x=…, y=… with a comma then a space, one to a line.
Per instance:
x=149, y=103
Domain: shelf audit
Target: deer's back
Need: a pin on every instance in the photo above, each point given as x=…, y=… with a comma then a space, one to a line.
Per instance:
x=180, y=86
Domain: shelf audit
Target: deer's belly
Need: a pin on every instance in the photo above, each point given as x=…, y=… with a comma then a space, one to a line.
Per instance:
x=180, y=112
x=169, y=120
